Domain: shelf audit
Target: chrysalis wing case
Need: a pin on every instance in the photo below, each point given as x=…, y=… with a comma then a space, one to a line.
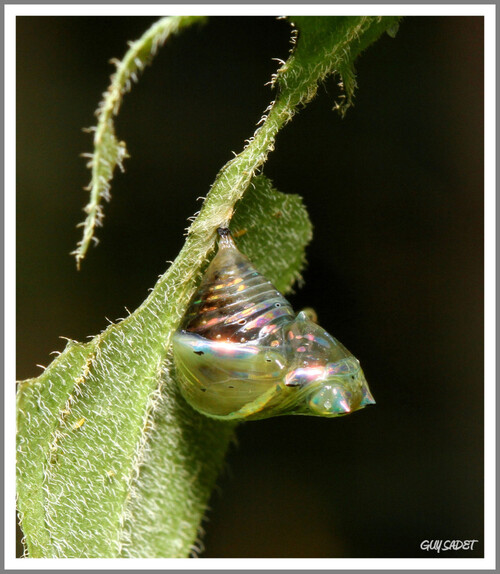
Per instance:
x=242, y=353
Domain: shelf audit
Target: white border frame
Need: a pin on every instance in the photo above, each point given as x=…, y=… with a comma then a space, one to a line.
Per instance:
x=486, y=10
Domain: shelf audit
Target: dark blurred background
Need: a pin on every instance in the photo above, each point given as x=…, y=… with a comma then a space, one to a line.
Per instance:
x=395, y=192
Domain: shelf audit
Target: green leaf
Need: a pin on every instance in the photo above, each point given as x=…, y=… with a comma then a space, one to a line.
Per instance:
x=329, y=45
x=261, y=204
x=112, y=461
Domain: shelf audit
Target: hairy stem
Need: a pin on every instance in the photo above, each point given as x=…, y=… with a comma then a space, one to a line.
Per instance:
x=109, y=152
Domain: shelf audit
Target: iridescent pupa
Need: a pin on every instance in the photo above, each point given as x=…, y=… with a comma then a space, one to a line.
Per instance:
x=242, y=353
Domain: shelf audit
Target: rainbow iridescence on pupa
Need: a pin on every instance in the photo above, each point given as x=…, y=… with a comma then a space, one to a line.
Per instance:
x=242, y=353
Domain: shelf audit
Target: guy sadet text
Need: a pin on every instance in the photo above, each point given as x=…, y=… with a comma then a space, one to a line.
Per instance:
x=444, y=545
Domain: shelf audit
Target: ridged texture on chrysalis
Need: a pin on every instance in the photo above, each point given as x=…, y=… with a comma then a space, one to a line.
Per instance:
x=242, y=353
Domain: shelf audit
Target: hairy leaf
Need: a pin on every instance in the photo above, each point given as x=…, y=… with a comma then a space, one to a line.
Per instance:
x=111, y=460
x=329, y=45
